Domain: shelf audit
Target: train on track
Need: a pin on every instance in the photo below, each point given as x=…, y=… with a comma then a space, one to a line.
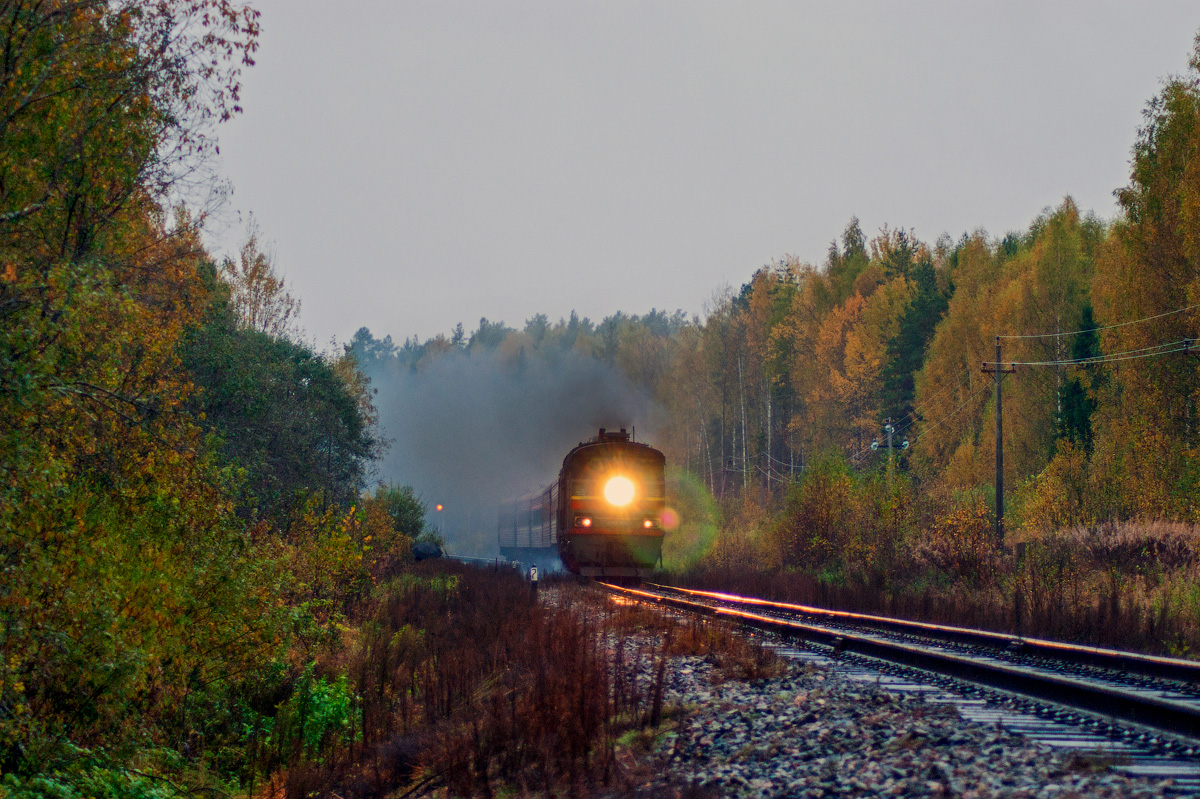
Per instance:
x=602, y=517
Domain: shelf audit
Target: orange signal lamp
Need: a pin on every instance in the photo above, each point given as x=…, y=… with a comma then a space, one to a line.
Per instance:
x=648, y=524
x=585, y=522
x=438, y=507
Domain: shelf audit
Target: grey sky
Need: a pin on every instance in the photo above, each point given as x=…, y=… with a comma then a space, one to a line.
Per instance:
x=417, y=164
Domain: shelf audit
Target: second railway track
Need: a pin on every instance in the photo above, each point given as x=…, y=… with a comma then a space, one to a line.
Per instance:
x=1143, y=711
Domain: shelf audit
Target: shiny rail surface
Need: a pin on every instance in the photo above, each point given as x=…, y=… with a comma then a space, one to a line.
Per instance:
x=1172, y=705
x=1131, y=662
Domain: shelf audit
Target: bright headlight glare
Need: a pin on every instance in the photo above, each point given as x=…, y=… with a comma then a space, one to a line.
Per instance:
x=619, y=491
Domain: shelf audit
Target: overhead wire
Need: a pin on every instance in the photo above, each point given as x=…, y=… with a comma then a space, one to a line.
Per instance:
x=915, y=412
x=1155, y=350
x=1105, y=327
x=970, y=398
x=1165, y=348
x=911, y=418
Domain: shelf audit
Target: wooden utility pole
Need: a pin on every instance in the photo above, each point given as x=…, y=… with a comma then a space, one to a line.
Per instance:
x=998, y=371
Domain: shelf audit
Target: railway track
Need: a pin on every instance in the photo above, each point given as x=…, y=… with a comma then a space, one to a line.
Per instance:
x=1142, y=711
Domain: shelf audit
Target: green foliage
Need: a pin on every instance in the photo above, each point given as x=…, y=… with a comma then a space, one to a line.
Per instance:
x=405, y=509
x=1077, y=401
x=141, y=619
x=281, y=412
x=177, y=606
x=489, y=336
x=906, y=350
x=844, y=266
x=316, y=718
x=813, y=527
x=87, y=779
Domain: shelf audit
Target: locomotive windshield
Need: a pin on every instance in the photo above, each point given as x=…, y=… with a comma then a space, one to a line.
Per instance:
x=618, y=485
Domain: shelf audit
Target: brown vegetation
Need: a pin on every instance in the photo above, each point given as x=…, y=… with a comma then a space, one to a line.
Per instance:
x=1126, y=585
x=461, y=680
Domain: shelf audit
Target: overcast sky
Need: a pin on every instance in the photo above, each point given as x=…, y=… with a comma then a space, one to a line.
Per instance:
x=418, y=164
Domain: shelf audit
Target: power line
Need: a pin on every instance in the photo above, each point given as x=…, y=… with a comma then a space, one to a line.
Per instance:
x=970, y=398
x=1166, y=348
x=913, y=414
x=1106, y=327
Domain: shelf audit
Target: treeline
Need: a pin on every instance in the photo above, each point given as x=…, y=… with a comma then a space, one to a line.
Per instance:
x=805, y=361
x=183, y=528
x=180, y=477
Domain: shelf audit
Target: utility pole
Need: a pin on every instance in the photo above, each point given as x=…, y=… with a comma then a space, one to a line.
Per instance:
x=1187, y=430
x=998, y=371
x=889, y=429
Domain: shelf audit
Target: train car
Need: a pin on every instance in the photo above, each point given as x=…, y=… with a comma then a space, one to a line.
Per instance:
x=529, y=529
x=602, y=517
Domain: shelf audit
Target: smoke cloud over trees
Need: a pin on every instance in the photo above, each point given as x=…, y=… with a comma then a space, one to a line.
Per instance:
x=473, y=420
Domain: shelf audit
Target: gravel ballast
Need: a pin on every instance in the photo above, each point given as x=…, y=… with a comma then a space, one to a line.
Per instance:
x=815, y=733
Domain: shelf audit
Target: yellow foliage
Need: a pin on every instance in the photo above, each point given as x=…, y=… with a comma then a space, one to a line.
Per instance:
x=1056, y=498
x=961, y=542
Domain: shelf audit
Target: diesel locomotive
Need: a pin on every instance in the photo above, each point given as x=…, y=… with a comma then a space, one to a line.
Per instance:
x=602, y=517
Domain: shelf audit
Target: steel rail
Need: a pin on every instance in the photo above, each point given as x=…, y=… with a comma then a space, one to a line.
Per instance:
x=1161, y=713
x=1131, y=662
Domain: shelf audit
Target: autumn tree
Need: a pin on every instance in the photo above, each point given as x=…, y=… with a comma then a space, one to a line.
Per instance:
x=259, y=295
x=1149, y=271
x=298, y=423
x=901, y=255
x=105, y=111
x=951, y=394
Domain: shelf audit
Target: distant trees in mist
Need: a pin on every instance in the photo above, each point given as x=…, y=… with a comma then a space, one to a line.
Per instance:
x=809, y=359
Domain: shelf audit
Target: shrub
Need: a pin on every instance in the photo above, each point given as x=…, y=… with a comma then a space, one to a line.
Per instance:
x=1057, y=497
x=812, y=530
x=961, y=543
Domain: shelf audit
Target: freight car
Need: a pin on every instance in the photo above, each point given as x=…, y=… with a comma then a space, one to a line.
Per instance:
x=601, y=518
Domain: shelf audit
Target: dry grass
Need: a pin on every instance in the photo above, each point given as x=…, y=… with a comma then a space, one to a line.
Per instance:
x=464, y=682
x=736, y=656
x=1122, y=585
x=466, y=686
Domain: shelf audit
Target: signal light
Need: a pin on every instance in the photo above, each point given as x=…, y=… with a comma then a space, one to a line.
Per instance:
x=584, y=522
x=648, y=524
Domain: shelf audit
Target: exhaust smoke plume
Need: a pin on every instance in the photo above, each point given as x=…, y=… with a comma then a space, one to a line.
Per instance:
x=469, y=430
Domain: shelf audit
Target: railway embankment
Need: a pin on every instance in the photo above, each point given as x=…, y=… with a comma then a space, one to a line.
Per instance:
x=814, y=728
x=813, y=732
x=459, y=681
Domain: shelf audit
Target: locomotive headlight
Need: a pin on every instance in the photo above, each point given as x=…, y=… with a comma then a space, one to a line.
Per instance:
x=619, y=491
